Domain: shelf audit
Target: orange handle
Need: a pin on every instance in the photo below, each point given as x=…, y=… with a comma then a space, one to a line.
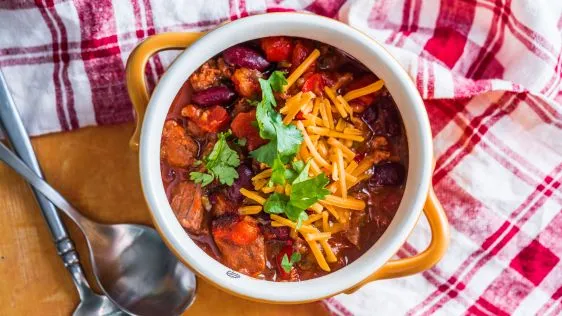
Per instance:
x=136, y=83
x=422, y=261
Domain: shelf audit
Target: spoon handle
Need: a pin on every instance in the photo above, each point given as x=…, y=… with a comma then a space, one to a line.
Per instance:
x=14, y=129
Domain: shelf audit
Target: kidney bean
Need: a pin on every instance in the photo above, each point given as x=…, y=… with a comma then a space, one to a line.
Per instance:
x=244, y=181
x=242, y=56
x=390, y=173
x=220, y=95
x=369, y=116
x=382, y=117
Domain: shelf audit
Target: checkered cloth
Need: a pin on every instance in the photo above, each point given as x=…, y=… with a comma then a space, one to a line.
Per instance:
x=489, y=71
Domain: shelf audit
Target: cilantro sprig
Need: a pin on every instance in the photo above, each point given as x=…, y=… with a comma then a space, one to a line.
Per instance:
x=287, y=264
x=221, y=164
x=284, y=140
x=305, y=191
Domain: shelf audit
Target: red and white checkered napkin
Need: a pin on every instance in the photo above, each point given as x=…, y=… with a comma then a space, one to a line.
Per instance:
x=489, y=70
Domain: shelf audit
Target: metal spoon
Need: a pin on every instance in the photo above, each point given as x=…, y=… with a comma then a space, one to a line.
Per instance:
x=131, y=263
x=91, y=304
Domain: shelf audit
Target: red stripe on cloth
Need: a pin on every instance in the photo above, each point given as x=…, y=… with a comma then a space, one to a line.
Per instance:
x=139, y=25
x=491, y=46
x=333, y=304
x=473, y=133
x=476, y=308
x=159, y=68
x=543, y=114
x=451, y=30
x=420, y=76
x=329, y=8
x=431, y=81
x=22, y=4
x=495, y=242
x=69, y=93
x=442, y=111
x=534, y=41
x=106, y=75
x=554, y=301
x=56, y=66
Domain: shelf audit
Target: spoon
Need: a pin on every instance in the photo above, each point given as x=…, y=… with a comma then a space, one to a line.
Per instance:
x=91, y=304
x=132, y=265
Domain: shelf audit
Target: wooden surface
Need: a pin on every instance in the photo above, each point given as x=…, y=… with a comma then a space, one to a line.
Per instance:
x=96, y=171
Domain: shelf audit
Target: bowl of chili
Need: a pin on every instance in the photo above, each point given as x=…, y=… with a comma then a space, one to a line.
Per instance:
x=285, y=157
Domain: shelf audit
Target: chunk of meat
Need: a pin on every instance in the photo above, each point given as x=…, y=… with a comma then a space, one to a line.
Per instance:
x=211, y=120
x=241, y=105
x=246, y=82
x=221, y=205
x=242, y=127
x=177, y=148
x=240, y=242
x=276, y=48
x=208, y=75
x=357, y=219
x=186, y=204
x=276, y=233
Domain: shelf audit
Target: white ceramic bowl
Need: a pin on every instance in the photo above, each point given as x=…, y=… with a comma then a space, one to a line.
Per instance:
x=328, y=31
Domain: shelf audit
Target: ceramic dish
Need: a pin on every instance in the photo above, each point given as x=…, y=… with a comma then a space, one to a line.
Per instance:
x=418, y=195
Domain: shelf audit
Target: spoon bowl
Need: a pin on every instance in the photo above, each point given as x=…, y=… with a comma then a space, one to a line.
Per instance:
x=135, y=268
x=131, y=263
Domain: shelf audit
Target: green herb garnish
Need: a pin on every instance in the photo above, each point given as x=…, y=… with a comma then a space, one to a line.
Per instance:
x=241, y=141
x=284, y=140
x=304, y=192
x=287, y=264
x=221, y=164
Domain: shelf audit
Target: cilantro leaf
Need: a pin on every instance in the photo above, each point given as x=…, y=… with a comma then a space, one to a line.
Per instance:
x=284, y=139
x=289, y=138
x=221, y=164
x=303, y=174
x=277, y=80
x=225, y=174
x=203, y=178
x=307, y=192
x=298, y=165
x=304, y=193
x=287, y=264
x=241, y=141
x=276, y=203
x=266, y=153
x=278, y=172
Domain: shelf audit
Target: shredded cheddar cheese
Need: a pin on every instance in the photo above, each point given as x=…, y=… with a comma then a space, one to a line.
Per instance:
x=357, y=93
x=249, y=210
x=329, y=129
x=301, y=69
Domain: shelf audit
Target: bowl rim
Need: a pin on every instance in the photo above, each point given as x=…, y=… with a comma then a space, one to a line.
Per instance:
x=328, y=31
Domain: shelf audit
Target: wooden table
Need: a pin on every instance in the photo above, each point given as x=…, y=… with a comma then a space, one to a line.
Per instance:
x=96, y=171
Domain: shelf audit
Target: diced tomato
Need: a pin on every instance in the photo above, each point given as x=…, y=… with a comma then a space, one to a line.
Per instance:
x=300, y=52
x=360, y=156
x=244, y=232
x=286, y=250
x=314, y=83
x=360, y=104
x=277, y=48
x=299, y=116
x=210, y=120
x=242, y=127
